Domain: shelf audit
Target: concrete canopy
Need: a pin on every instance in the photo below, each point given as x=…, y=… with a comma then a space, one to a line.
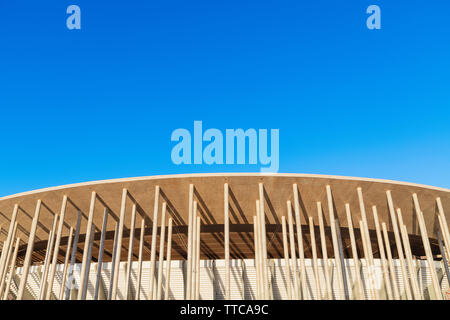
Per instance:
x=209, y=193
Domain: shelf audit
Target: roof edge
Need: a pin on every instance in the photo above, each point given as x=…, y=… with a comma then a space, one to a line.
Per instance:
x=200, y=175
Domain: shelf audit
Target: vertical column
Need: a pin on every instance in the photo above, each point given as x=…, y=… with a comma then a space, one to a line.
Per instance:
x=227, y=242
x=100, y=254
x=347, y=291
x=301, y=252
x=118, y=246
x=88, y=263
x=365, y=233
x=66, y=265
x=387, y=282
x=189, y=253
x=337, y=256
x=370, y=284
x=8, y=241
x=315, y=262
x=141, y=250
x=260, y=251
x=56, y=249
x=326, y=264
x=30, y=247
x=255, y=245
x=263, y=238
x=113, y=262
x=286, y=259
x=197, y=252
x=193, y=251
x=442, y=233
x=444, y=226
x=153, y=249
x=356, y=262
x=444, y=257
x=409, y=260
x=293, y=254
x=130, y=252
x=391, y=262
x=87, y=243
x=8, y=257
x=161, y=251
x=426, y=245
x=418, y=295
x=169, y=261
x=398, y=244
x=12, y=269
x=48, y=255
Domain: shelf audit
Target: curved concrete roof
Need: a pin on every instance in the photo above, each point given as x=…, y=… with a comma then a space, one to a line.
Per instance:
x=244, y=191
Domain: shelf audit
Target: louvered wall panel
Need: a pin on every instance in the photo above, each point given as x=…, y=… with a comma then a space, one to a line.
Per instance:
x=279, y=279
x=177, y=280
x=249, y=279
x=236, y=280
x=310, y=282
x=242, y=279
x=207, y=280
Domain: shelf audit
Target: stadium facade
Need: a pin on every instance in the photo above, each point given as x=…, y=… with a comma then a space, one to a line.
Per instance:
x=227, y=236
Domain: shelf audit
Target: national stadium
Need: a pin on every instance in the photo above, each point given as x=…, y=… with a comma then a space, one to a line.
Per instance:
x=242, y=236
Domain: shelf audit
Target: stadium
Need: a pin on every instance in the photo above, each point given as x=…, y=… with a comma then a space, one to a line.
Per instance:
x=243, y=236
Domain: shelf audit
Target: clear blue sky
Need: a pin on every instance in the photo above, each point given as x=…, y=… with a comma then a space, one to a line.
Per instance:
x=102, y=102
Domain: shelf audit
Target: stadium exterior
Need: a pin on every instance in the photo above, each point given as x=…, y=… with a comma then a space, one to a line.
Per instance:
x=227, y=236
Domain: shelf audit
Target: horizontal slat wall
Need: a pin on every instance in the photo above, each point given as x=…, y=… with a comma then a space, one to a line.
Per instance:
x=207, y=280
x=236, y=280
x=242, y=280
x=249, y=280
